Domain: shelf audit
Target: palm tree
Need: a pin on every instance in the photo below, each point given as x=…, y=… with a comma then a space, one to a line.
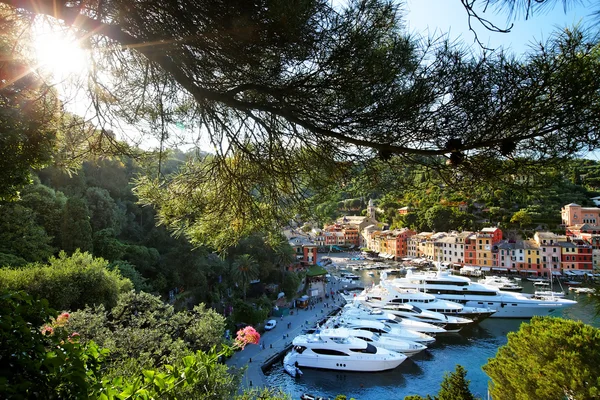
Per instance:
x=244, y=269
x=284, y=256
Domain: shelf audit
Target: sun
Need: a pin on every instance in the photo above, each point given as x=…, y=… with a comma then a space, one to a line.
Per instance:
x=58, y=51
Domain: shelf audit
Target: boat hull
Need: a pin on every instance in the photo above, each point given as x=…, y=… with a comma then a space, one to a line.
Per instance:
x=513, y=309
x=341, y=363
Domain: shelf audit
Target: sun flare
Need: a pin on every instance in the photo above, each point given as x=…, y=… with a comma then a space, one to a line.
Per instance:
x=58, y=52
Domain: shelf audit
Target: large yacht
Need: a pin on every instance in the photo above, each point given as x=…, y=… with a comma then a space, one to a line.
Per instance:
x=460, y=289
x=336, y=349
x=389, y=295
x=380, y=328
x=358, y=311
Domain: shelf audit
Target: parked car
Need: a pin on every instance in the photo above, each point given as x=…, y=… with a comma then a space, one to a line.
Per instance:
x=270, y=324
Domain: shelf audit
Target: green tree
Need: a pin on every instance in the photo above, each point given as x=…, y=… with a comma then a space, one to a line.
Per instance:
x=48, y=206
x=76, y=231
x=244, y=269
x=127, y=270
x=291, y=283
x=107, y=246
x=440, y=218
x=28, y=110
x=284, y=257
x=141, y=331
x=103, y=210
x=145, y=259
x=522, y=218
x=68, y=282
x=455, y=386
x=20, y=236
x=548, y=358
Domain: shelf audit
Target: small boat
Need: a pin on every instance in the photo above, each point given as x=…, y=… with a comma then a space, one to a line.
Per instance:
x=541, y=283
x=539, y=279
x=584, y=290
x=502, y=283
x=292, y=370
x=572, y=283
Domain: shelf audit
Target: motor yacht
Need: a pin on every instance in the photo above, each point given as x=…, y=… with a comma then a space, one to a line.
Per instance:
x=388, y=294
x=462, y=290
x=388, y=342
x=358, y=311
x=410, y=311
x=335, y=349
x=380, y=328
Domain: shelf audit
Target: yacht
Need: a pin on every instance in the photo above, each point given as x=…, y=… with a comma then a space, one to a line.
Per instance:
x=350, y=276
x=380, y=328
x=502, y=283
x=388, y=342
x=462, y=290
x=387, y=293
x=406, y=310
x=357, y=311
x=336, y=349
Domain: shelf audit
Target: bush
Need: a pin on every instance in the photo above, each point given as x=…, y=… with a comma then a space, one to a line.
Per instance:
x=68, y=282
x=42, y=362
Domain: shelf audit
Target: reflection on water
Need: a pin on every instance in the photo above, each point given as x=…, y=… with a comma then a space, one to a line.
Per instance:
x=423, y=373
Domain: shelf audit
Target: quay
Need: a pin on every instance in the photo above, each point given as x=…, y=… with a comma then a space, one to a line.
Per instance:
x=274, y=344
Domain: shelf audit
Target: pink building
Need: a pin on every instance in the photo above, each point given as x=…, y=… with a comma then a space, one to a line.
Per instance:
x=574, y=214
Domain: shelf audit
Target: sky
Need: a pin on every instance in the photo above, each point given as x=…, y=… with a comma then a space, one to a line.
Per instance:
x=434, y=17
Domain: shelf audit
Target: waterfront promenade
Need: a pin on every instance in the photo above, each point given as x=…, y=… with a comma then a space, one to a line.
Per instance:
x=278, y=339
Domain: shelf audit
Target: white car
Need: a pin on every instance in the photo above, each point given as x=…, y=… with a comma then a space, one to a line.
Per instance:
x=270, y=324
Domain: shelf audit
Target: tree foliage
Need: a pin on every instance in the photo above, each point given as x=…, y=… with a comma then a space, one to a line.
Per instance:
x=297, y=96
x=548, y=358
x=20, y=236
x=141, y=332
x=28, y=110
x=68, y=282
x=244, y=269
x=43, y=362
x=453, y=387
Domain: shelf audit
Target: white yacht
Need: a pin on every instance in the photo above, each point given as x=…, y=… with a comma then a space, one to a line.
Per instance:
x=336, y=349
x=357, y=311
x=387, y=293
x=410, y=311
x=388, y=342
x=462, y=290
x=381, y=328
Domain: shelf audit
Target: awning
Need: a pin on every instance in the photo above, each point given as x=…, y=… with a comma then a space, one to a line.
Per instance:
x=499, y=269
x=556, y=273
x=485, y=268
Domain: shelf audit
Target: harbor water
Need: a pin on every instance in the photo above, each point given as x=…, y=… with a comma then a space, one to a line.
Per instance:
x=423, y=373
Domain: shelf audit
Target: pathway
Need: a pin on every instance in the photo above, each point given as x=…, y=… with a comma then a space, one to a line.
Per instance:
x=277, y=339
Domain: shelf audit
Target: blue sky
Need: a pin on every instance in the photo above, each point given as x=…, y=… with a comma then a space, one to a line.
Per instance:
x=448, y=16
